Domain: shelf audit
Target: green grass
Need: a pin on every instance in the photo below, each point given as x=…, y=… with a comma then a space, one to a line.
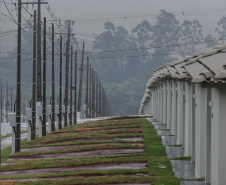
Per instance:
x=93, y=180
x=158, y=165
x=78, y=161
x=84, y=142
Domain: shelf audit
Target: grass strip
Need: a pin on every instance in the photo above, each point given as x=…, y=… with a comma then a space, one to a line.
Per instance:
x=71, y=136
x=79, y=129
x=92, y=180
x=159, y=164
x=66, y=162
x=84, y=142
x=80, y=173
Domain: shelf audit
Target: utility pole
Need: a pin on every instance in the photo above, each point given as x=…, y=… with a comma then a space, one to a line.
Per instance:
x=100, y=99
x=66, y=75
x=7, y=104
x=87, y=86
x=11, y=102
x=103, y=102
x=33, y=126
x=18, y=90
x=93, y=94
x=18, y=95
x=60, y=93
x=1, y=128
x=80, y=83
x=71, y=97
x=75, y=105
x=39, y=65
x=44, y=82
x=53, y=84
x=90, y=92
x=66, y=86
x=97, y=101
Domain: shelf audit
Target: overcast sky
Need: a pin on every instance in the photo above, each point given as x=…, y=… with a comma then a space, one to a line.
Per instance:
x=90, y=15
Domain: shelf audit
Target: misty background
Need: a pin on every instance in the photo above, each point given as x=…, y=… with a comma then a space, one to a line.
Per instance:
x=112, y=25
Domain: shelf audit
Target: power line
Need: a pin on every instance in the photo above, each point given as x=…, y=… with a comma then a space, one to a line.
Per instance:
x=135, y=49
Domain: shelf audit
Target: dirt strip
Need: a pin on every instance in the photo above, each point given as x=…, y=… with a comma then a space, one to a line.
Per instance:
x=119, y=166
x=51, y=148
x=93, y=130
x=103, y=152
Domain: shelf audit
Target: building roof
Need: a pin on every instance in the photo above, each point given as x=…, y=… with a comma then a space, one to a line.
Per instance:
x=204, y=67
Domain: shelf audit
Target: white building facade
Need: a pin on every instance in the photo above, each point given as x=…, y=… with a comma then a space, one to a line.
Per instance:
x=189, y=96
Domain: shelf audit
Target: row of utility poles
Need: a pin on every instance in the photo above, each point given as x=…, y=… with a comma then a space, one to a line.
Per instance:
x=64, y=112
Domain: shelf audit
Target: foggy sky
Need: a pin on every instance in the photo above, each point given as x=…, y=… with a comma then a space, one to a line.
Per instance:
x=87, y=10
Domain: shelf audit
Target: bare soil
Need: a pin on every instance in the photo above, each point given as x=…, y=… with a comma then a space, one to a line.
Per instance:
x=50, y=148
x=77, y=154
x=115, y=166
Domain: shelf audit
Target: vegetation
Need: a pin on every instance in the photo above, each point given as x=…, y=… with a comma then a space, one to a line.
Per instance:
x=139, y=52
x=158, y=171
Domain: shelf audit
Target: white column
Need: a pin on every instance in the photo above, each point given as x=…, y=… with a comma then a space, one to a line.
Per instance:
x=193, y=124
x=200, y=130
x=152, y=103
x=188, y=119
x=169, y=105
x=160, y=103
x=174, y=107
x=150, y=106
x=180, y=124
x=155, y=105
x=208, y=138
x=164, y=102
x=159, y=107
x=218, y=144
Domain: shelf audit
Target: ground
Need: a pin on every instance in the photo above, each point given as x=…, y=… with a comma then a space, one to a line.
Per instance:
x=122, y=150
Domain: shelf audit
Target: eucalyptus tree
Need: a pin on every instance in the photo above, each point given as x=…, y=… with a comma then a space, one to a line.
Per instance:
x=190, y=34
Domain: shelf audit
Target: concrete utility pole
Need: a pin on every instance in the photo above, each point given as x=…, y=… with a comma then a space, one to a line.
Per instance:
x=80, y=83
x=94, y=94
x=11, y=102
x=18, y=90
x=87, y=86
x=71, y=97
x=100, y=114
x=66, y=76
x=53, y=84
x=44, y=82
x=75, y=104
x=1, y=125
x=39, y=64
x=90, y=92
x=33, y=124
x=104, y=101
x=97, y=114
x=60, y=93
x=7, y=104
x=66, y=86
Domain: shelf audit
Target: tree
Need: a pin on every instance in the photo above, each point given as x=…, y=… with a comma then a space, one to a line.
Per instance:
x=165, y=31
x=116, y=67
x=221, y=30
x=209, y=40
x=190, y=32
x=142, y=33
